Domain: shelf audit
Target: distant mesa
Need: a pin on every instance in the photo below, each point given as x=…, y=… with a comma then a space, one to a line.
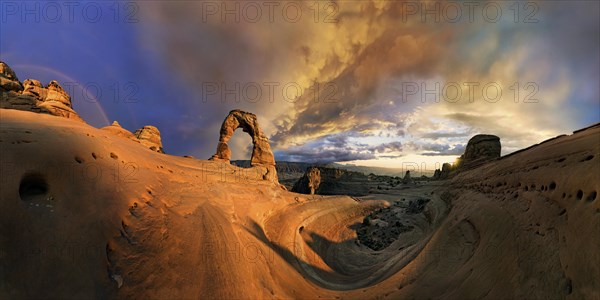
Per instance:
x=262, y=156
x=32, y=96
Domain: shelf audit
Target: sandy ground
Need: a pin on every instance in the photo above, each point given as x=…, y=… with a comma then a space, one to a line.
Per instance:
x=87, y=214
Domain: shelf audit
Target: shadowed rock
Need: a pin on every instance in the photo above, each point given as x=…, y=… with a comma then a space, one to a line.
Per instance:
x=308, y=183
x=480, y=149
x=332, y=181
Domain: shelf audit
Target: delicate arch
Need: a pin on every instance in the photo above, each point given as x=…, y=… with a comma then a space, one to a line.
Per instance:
x=261, y=150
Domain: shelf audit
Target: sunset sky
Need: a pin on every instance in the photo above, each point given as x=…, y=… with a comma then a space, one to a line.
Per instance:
x=339, y=81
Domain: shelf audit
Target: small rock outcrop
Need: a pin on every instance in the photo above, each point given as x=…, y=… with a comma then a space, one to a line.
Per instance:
x=444, y=173
x=32, y=96
x=116, y=129
x=262, y=156
x=149, y=136
x=480, y=149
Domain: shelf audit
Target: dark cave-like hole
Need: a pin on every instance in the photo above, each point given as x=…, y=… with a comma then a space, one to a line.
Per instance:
x=32, y=186
x=591, y=196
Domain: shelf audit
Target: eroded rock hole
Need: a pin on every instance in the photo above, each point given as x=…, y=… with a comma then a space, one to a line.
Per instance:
x=579, y=194
x=552, y=186
x=591, y=196
x=589, y=157
x=33, y=186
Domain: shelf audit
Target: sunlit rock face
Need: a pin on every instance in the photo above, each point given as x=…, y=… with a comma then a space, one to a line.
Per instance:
x=32, y=96
x=149, y=136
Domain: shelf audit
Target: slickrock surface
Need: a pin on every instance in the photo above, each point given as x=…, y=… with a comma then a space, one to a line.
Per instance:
x=85, y=213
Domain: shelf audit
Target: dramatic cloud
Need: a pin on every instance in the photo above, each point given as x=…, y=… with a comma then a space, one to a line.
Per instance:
x=372, y=82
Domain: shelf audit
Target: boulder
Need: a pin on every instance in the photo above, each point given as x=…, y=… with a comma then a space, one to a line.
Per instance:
x=149, y=136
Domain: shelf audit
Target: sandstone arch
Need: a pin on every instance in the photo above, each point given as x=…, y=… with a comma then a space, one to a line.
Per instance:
x=262, y=156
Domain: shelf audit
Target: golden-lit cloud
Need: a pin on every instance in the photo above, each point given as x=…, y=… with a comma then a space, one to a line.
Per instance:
x=357, y=75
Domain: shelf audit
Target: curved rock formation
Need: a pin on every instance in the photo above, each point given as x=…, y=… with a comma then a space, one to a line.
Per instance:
x=262, y=156
x=32, y=96
x=261, y=150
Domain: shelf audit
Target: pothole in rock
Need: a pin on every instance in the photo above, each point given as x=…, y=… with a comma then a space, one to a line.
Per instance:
x=33, y=186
